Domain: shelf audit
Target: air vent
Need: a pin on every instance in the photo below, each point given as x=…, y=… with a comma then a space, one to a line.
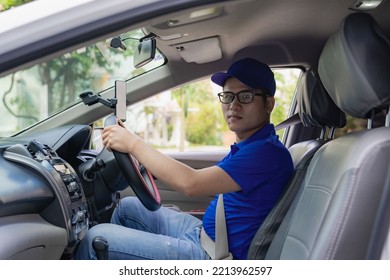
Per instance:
x=40, y=151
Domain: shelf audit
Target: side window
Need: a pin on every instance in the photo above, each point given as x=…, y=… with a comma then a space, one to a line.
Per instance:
x=286, y=83
x=353, y=124
x=357, y=124
x=189, y=118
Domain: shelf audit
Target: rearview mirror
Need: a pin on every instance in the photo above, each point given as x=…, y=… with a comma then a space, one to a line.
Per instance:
x=145, y=52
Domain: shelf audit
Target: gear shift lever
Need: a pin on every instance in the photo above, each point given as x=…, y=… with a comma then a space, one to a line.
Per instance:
x=100, y=245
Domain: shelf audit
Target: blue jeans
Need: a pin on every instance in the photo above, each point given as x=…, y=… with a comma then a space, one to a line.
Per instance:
x=139, y=234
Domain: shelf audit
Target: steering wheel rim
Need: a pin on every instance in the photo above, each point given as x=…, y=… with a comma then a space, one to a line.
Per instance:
x=137, y=176
x=140, y=180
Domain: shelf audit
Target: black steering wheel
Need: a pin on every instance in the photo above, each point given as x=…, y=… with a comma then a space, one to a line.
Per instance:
x=137, y=176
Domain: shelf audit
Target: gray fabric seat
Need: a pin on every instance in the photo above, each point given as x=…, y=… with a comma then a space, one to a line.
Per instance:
x=315, y=109
x=342, y=208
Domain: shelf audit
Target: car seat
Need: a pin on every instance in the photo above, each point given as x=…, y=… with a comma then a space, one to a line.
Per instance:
x=342, y=208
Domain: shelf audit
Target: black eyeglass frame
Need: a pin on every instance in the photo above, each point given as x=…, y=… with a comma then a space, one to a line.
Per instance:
x=220, y=95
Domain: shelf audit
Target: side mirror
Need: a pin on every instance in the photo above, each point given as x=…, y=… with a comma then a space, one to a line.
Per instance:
x=145, y=52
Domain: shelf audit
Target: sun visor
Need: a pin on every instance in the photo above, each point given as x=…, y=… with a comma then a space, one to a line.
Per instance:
x=200, y=51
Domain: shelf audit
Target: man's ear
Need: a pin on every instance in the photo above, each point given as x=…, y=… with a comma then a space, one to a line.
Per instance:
x=270, y=103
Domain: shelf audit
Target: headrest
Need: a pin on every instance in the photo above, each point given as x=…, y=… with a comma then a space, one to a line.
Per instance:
x=354, y=66
x=315, y=107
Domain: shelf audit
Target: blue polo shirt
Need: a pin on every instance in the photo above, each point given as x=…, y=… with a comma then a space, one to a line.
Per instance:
x=261, y=165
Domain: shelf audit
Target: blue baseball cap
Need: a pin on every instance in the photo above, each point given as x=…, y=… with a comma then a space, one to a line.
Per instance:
x=249, y=71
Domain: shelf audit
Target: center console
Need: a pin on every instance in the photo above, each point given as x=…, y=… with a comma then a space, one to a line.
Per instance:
x=68, y=208
x=68, y=184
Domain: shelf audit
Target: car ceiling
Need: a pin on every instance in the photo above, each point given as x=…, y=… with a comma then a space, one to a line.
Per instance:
x=280, y=33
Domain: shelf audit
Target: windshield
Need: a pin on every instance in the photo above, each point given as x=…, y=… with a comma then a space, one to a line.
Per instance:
x=34, y=94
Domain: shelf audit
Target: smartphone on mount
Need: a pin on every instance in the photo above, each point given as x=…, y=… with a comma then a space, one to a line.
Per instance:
x=119, y=116
x=120, y=95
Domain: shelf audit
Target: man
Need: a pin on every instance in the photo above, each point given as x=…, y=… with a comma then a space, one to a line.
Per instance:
x=251, y=178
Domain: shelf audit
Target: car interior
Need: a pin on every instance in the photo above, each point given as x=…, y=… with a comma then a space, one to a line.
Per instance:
x=336, y=206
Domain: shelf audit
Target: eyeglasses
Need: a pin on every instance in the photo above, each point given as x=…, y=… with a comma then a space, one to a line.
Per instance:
x=244, y=97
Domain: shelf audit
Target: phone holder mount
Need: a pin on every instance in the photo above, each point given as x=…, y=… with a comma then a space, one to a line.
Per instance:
x=90, y=99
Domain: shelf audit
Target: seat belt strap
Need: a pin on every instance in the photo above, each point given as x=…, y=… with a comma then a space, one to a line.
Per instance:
x=218, y=250
x=294, y=119
x=221, y=237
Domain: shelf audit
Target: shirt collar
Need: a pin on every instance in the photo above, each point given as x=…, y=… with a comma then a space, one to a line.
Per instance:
x=262, y=133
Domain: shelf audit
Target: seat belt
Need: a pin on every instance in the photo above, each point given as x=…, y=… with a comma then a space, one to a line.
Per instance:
x=294, y=119
x=218, y=250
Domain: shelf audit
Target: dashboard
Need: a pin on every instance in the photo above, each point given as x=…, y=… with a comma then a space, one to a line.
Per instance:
x=45, y=197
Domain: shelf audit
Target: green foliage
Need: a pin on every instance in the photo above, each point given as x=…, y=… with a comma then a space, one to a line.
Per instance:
x=8, y=4
x=286, y=81
x=23, y=102
x=353, y=124
x=202, y=113
x=202, y=126
x=69, y=75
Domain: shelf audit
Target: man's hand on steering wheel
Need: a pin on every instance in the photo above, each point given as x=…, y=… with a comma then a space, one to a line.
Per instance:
x=136, y=175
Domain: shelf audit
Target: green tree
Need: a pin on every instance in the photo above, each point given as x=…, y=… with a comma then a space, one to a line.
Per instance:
x=286, y=81
x=204, y=123
x=201, y=113
x=72, y=74
x=8, y=4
